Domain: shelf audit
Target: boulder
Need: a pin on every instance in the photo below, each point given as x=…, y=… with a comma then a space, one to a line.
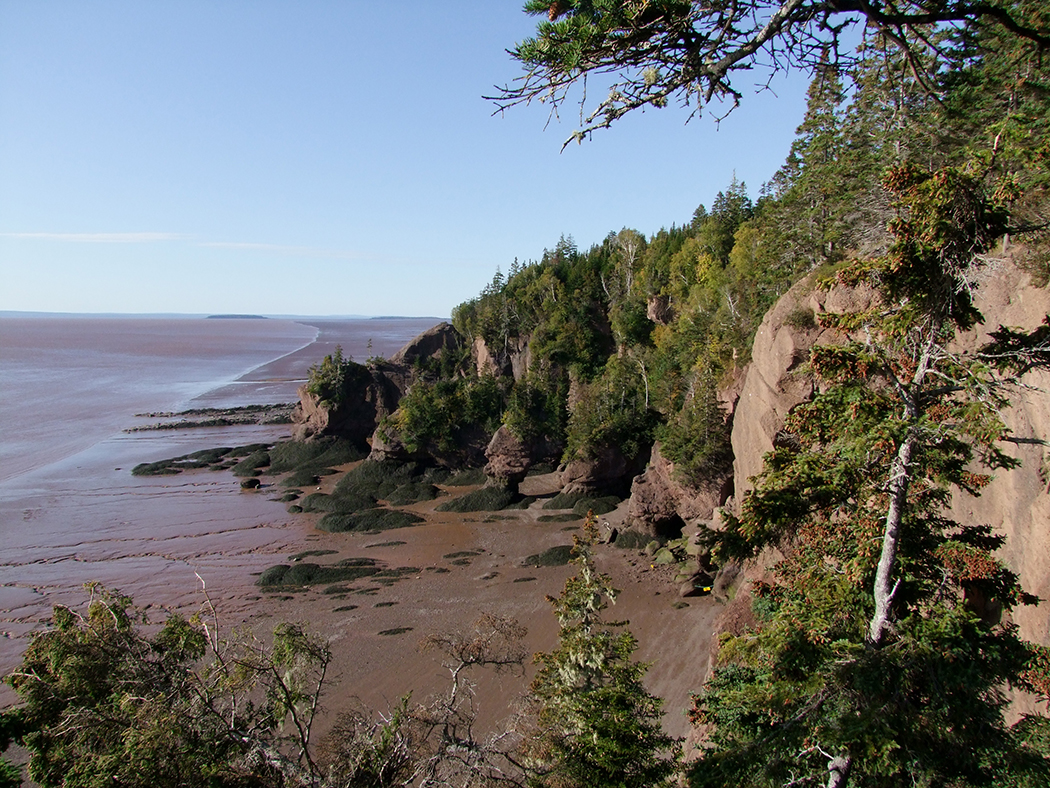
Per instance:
x=387, y=447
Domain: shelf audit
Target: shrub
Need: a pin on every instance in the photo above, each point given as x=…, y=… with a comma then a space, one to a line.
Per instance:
x=611, y=411
x=327, y=380
x=697, y=439
x=439, y=414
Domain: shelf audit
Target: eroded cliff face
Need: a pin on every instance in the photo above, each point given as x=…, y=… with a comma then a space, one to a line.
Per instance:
x=1016, y=503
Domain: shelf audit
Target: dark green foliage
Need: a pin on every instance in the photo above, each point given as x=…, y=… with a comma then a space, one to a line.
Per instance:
x=301, y=478
x=595, y=723
x=328, y=380
x=564, y=517
x=485, y=499
x=311, y=554
x=611, y=412
x=553, y=556
x=697, y=439
x=105, y=704
x=632, y=540
x=212, y=459
x=443, y=413
x=522, y=502
x=339, y=502
x=162, y=468
x=368, y=521
x=308, y=574
x=565, y=500
x=536, y=409
x=380, y=480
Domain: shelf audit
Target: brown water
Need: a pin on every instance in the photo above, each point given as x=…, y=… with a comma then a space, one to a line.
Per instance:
x=70, y=510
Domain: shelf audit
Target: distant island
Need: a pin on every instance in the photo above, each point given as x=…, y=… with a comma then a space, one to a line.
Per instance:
x=236, y=317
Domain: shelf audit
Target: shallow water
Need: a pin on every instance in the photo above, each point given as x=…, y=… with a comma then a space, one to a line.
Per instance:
x=70, y=510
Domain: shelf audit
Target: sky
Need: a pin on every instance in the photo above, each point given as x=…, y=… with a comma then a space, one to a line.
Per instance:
x=318, y=158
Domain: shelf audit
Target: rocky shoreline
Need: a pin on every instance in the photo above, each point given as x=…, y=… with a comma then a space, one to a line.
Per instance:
x=196, y=418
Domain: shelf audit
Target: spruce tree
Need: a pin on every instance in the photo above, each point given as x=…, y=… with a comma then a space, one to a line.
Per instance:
x=596, y=726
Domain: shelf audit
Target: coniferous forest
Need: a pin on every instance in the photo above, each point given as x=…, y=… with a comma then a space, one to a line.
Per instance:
x=923, y=158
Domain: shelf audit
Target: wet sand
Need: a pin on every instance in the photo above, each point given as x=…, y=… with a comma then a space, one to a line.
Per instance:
x=228, y=537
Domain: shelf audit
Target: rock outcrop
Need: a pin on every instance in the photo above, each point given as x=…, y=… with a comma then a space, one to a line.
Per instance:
x=431, y=344
x=660, y=503
x=513, y=360
x=371, y=393
x=607, y=472
x=773, y=384
x=1017, y=502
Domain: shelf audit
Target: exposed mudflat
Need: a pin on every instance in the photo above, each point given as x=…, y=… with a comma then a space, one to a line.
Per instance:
x=462, y=566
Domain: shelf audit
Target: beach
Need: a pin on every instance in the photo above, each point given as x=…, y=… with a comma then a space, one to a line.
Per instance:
x=169, y=541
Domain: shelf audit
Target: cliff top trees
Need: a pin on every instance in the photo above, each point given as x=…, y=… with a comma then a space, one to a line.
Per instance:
x=693, y=52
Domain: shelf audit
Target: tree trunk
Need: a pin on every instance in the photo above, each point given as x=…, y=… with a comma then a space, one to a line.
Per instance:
x=900, y=478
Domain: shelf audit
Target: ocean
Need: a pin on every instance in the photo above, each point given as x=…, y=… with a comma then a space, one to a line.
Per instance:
x=71, y=512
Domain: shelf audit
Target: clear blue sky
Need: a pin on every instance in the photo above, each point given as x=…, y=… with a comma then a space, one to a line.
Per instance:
x=315, y=157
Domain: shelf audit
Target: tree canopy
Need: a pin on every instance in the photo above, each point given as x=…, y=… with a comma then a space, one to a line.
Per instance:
x=659, y=51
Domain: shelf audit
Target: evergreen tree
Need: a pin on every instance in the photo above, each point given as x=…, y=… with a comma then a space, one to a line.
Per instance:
x=596, y=726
